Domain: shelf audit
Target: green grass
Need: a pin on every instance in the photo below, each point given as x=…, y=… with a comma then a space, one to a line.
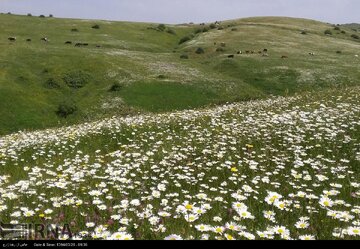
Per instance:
x=162, y=97
x=134, y=53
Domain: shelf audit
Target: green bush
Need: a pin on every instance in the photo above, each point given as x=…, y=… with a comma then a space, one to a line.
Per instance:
x=42, y=16
x=66, y=109
x=29, y=14
x=212, y=26
x=74, y=30
x=328, y=32
x=200, y=51
x=161, y=27
x=52, y=83
x=116, y=87
x=184, y=39
x=76, y=79
x=355, y=36
x=184, y=56
x=96, y=26
x=303, y=32
x=171, y=31
x=337, y=29
x=206, y=29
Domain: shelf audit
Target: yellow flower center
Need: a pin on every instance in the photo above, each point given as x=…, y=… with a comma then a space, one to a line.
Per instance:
x=189, y=206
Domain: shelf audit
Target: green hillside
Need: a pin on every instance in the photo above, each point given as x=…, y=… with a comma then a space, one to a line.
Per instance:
x=136, y=67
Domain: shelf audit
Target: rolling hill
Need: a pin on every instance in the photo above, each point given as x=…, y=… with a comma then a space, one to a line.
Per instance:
x=122, y=68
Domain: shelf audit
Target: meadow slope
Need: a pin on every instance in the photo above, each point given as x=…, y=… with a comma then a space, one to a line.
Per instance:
x=281, y=168
x=129, y=68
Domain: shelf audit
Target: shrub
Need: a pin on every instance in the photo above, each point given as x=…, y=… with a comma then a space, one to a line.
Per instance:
x=96, y=26
x=161, y=27
x=66, y=108
x=171, y=31
x=42, y=16
x=74, y=30
x=51, y=15
x=212, y=26
x=338, y=52
x=184, y=56
x=220, y=28
x=234, y=29
x=206, y=29
x=337, y=29
x=52, y=83
x=355, y=36
x=76, y=79
x=303, y=32
x=29, y=14
x=200, y=51
x=328, y=32
x=198, y=31
x=116, y=87
x=343, y=32
x=184, y=39
x=161, y=77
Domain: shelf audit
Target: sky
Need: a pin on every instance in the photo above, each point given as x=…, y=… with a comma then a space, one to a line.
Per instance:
x=184, y=11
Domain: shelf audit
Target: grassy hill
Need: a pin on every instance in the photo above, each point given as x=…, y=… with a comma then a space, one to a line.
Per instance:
x=136, y=67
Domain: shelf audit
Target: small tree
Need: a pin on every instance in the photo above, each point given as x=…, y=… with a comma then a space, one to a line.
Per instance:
x=96, y=26
x=354, y=36
x=29, y=14
x=42, y=16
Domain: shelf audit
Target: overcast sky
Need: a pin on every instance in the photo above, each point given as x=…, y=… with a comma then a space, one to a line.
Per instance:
x=181, y=11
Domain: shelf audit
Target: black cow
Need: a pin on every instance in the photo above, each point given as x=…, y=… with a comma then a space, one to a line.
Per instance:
x=68, y=42
x=28, y=40
x=231, y=56
x=45, y=39
x=12, y=39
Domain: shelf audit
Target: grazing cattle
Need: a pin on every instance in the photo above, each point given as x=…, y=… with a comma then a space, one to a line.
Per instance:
x=223, y=44
x=247, y=52
x=12, y=39
x=45, y=39
x=284, y=57
x=239, y=52
x=68, y=42
x=260, y=52
x=28, y=40
x=356, y=56
x=231, y=56
x=252, y=52
x=311, y=53
x=98, y=46
x=265, y=55
x=265, y=50
x=81, y=44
